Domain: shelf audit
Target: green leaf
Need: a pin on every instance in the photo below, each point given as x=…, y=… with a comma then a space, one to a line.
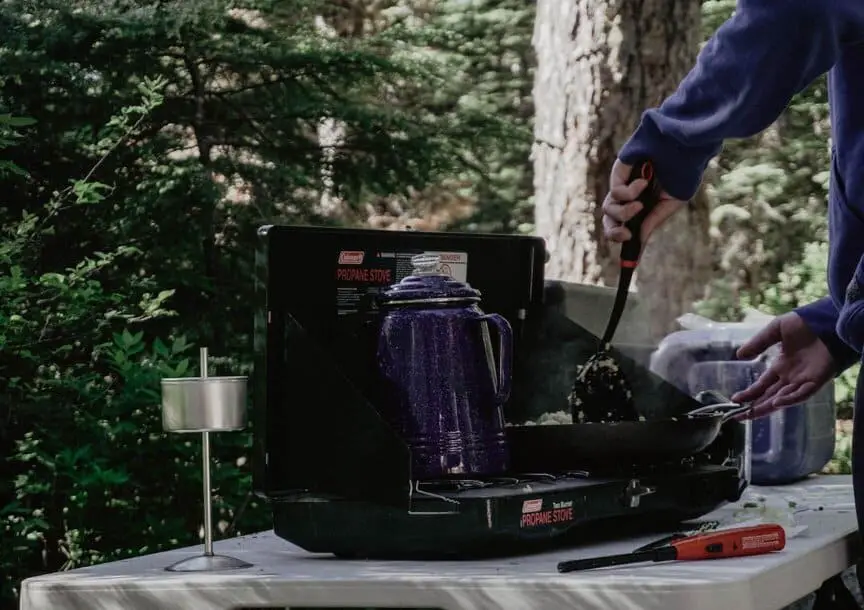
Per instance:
x=182, y=368
x=179, y=345
x=16, y=121
x=160, y=349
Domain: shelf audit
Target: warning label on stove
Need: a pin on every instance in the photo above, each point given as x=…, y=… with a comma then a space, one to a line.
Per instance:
x=361, y=276
x=454, y=264
x=533, y=514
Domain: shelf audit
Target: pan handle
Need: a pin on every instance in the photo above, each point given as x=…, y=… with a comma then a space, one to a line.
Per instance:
x=712, y=397
x=723, y=406
x=731, y=410
x=736, y=413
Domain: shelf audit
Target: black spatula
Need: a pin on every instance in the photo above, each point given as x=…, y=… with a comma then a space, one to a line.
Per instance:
x=601, y=392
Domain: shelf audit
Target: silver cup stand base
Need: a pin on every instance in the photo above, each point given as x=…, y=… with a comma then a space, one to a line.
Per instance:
x=208, y=563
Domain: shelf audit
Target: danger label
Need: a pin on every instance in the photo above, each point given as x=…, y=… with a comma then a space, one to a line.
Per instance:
x=454, y=264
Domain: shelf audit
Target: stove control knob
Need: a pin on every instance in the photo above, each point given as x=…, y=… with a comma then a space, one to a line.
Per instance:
x=635, y=492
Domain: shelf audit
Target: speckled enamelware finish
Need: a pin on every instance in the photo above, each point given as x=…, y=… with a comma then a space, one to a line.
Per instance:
x=425, y=287
x=446, y=391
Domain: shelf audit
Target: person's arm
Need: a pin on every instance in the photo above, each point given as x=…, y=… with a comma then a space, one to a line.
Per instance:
x=850, y=322
x=821, y=318
x=745, y=76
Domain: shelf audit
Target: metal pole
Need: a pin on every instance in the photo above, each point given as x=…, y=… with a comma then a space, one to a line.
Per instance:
x=205, y=459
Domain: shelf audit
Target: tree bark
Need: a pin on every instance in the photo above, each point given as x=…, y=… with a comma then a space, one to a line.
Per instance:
x=600, y=64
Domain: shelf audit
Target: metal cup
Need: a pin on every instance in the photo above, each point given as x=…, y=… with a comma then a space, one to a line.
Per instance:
x=204, y=404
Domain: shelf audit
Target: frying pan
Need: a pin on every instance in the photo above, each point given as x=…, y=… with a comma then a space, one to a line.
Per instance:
x=651, y=441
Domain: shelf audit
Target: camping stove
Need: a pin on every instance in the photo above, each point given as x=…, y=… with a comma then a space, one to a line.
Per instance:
x=504, y=515
x=339, y=479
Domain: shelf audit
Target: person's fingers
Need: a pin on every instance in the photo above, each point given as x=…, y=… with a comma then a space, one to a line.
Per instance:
x=615, y=231
x=627, y=192
x=765, y=406
x=746, y=416
x=761, y=411
x=660, y=214
x=768, y=396
x=761, y=341
x=620, y=212
x=794, y=393
x=779, y=395
x=620, y=173
x=757, y=389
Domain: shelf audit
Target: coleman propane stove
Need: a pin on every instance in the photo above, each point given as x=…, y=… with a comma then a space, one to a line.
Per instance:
x=504, y=515
x=340, y=479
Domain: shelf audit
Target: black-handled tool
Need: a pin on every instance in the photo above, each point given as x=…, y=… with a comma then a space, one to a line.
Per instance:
x=600, y=384
x=632, y=249
x=649, y=198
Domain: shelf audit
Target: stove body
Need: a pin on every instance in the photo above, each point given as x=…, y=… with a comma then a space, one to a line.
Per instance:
x=339, y=479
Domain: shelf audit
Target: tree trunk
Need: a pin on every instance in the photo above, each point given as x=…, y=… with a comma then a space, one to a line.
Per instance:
x=600, y=64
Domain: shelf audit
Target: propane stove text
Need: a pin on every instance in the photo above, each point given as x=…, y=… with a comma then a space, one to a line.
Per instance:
x=364, y=275
x=547, y=517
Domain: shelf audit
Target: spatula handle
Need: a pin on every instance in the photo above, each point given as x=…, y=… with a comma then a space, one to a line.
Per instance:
x=650, y=197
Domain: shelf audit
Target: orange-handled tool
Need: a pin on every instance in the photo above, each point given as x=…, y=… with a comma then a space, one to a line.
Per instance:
x=739, y=542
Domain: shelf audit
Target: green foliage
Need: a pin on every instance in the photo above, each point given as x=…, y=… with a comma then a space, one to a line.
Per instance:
x=161, y=135
x=842, y=460
x=88, y=475
x=770, y=195
x=489, y=43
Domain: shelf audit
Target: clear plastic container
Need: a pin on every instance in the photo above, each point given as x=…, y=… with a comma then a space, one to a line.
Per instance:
x=787, y=445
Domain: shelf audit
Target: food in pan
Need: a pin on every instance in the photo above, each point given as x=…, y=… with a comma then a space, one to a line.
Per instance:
x=601, y=393
x=556, y=418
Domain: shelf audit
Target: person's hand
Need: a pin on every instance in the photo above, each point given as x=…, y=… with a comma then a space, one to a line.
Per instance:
x=622, y=203
x=802, y=368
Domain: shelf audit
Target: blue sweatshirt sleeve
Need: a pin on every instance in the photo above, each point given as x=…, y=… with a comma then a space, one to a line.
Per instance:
x=850, y=321
x=744, y=78
x=821, y=317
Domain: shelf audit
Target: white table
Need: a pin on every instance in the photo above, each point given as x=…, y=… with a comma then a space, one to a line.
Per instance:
x=284, y=575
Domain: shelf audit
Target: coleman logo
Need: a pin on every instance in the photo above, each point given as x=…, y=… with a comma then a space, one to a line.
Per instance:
x=351, y=257
x=532, y=506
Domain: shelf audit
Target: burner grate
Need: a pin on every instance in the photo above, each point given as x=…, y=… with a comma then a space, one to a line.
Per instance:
x=514, y=480
x=437, y=486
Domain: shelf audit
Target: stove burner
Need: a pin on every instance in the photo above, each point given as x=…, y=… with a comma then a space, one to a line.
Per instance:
x=577, y=474
x=514, y=480
x=436, y=486
x=523, y=479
